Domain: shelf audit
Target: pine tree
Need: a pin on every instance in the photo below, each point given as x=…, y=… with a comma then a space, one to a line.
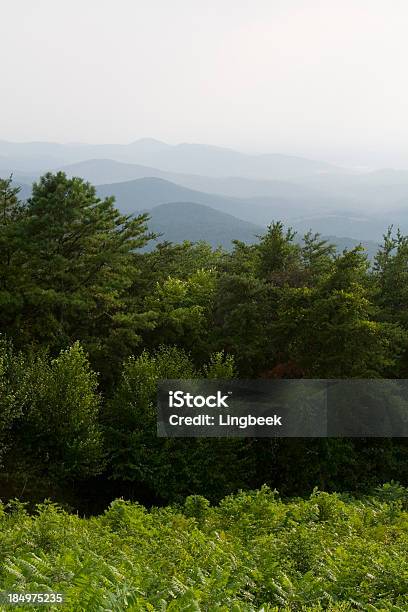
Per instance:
x=278, y=255
x=11, y=269
x=79, y=258
x=333, y=331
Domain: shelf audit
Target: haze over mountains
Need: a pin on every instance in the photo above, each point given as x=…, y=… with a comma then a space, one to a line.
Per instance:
x=177, y=221
x=181, y=158
x=222, y=188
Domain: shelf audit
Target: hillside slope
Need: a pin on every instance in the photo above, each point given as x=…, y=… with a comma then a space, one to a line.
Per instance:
x=179, y=221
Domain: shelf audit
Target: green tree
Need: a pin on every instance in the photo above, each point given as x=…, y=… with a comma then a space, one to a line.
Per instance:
x=15, y=392
x=11, y=269
x=181, y=310
x=171, y=468
x=332, y=331
x=279, y=257
x=50, y=437
x=175, y=260
x=390, y=280
x=242, y=318
x=60, y=430
x=317, y=257
x=391, y=277
x=79, y=254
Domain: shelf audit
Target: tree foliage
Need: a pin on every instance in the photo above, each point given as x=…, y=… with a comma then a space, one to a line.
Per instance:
x=91, y=319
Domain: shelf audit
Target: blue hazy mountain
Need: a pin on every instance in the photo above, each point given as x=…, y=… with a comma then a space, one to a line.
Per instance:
x=328, y=220
x=179, y=221
x=182, y=158
x=303, y=193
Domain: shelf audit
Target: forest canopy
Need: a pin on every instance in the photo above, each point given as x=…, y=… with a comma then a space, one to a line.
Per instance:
x=90, y=320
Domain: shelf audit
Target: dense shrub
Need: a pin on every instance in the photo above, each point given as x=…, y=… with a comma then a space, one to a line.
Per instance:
x=170, y=468
x=49, y=425
x=253, y=552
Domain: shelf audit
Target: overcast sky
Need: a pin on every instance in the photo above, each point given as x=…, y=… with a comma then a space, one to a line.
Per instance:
x=324, y=78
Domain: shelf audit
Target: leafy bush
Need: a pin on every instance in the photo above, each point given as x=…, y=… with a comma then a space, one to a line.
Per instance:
x=14, y=391
x=49, y=423
x=62, y=422
x=171, y=468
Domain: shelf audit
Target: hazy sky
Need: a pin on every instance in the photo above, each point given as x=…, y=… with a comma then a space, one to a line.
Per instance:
x=324, y=78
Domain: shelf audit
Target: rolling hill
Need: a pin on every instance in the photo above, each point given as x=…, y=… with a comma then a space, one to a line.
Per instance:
x=179, y=221
x=148, y=192
x=144, y=194
x=329, y=201
x=371, y=195
x=178, y=218
x=106, y=171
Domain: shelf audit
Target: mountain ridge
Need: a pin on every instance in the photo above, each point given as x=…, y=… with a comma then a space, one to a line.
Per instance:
x=192, y=158
x=179, y=221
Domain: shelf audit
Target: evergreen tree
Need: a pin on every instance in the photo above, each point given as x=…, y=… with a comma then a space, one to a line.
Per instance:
x=391, y=276
x=317, y=257
x=11, y=263
x=242, y=321
x=332, y=330
x=78, y=254
x=278, y=255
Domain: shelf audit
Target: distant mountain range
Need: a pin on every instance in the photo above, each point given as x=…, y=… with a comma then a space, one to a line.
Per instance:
x=253, y=189
x=180, y=221
x=367, y=195
x=149, y=192
x=184, y=158
x=105, y=171
x=145, y=193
